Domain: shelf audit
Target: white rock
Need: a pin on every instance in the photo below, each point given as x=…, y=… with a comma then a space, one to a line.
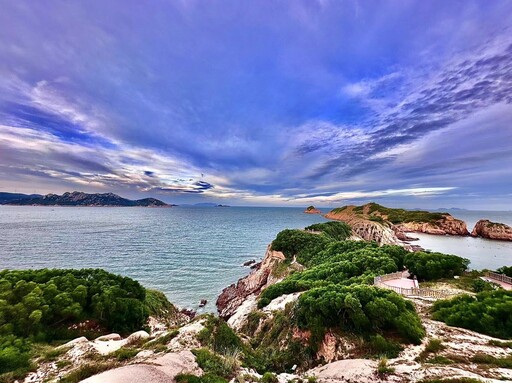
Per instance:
x=109, y=337
x=73, y=342
x=240, y=315
x=280, y=302
x=138, y=335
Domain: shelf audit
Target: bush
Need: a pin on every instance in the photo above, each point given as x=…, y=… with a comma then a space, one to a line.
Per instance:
x=269, y=377
x=505, y=362
x=36, y=302
x=489, y=312
x=343, y=263
x=383, y=347
x=206, y=378
x=358, y=309
x=383, y=368
x=429, y=266
x=214, y=364
x=158, y=305
x=85, y=371
x=337, y=231
x=14, y=354
x=479, y=285
x=219, y=336
x=507, y=270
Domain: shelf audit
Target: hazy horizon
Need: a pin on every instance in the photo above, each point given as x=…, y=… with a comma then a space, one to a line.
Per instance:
x=300, y=103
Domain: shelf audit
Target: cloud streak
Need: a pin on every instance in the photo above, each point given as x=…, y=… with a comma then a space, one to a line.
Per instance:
x=268, y=103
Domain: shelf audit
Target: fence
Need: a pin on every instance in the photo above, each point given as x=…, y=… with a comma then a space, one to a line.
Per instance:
x=411, y=291
x=498, y=277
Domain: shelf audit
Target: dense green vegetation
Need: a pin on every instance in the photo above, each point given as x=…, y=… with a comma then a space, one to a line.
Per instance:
x=338, y=231
x=489, y=312
x=397, y=216
x=41, y=303
x=46, y=305
x=360, y=309
x=394, y=216
x=429, y=266
x=340, y=263
x=337, y=292
x=507, y=270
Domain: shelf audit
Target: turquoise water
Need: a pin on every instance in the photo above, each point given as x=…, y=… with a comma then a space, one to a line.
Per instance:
x=190, y=253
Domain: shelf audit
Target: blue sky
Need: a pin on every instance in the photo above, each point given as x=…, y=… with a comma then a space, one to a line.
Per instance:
x=407, y=103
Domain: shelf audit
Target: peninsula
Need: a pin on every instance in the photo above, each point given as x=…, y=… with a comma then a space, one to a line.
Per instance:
x=84, y=199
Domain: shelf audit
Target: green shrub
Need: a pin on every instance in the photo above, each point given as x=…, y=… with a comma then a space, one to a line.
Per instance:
x=85, y=371
x=157, y=304
x=269, y=377
x=34, y=302
x=498, y=343
x=434, y=345
x=358, y=309
x=299, y=243
x=219, y=336
x=125, y=353
x=383, y=368
x=14, y=354
x=479, y=285
x=488, y=312
x=338, y=231
x=53, y=354
x=205, y=378
x=439, y=359
x=430, y=266
x=505, y=362
x=381, y=346
x=507, y=270
x=214, y=364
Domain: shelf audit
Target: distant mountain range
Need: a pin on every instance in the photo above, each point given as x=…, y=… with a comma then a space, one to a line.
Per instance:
x=77, y=199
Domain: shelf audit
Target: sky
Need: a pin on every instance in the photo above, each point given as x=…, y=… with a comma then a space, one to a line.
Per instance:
x=288, y=103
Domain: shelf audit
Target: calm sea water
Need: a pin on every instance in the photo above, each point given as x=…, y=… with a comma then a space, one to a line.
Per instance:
x=483, y=253
x=190, y=253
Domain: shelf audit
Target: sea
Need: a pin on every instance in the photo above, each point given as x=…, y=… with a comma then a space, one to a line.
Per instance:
x=189, y=253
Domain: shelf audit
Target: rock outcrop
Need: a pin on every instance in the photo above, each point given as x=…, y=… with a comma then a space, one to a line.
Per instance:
x=234, y=295
x=312, y=210
x=446, y=225
x=492, y=230
x=369, y=230
x=399, y=221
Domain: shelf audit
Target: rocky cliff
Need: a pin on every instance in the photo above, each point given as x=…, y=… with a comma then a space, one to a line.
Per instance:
x=446, y=225
x=232, y=297
x=369, y=229
x=492, y=230
x=399, y=221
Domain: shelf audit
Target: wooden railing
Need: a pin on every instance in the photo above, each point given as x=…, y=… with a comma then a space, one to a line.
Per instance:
x=498, y=277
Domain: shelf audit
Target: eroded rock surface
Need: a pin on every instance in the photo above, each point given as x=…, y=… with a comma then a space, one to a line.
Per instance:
x=492, y=230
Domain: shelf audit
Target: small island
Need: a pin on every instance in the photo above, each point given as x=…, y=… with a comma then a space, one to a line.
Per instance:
x=492, y=230
x=312, y=210
x=83, y=199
